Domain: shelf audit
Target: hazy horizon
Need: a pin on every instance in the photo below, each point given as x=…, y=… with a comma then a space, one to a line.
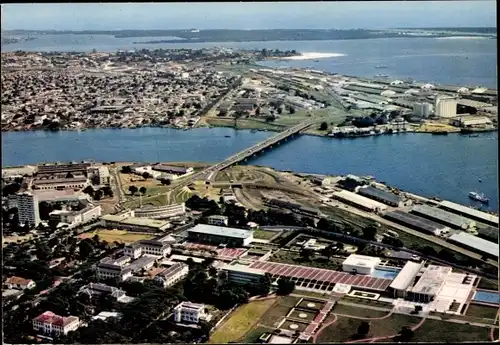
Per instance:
x=248, y=16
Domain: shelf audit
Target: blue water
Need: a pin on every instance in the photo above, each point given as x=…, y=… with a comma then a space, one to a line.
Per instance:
x=444, y=166
x=448, y=61
x=487, y=297
x=385, y=274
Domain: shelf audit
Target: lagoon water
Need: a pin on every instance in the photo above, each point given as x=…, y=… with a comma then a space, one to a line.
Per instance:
x=448, y=167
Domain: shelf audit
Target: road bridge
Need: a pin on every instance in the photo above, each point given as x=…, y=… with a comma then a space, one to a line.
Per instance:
x=244, y=155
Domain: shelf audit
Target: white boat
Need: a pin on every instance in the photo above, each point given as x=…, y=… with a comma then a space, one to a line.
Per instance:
x=479, y=197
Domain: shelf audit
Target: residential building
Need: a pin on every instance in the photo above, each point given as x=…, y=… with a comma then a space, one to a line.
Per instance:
x=187, y=312
x=98, y=289
x=19, y=283
x=50, y=323
x=220, y=235
x=100, y=175
x=27, y=206
x=161, y=212
x=218, y=220
x=171, y=275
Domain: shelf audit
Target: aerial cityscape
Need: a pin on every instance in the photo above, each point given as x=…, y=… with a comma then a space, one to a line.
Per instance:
x=216, y=179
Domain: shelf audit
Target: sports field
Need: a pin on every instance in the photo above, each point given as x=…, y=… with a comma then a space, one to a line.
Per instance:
x=121, y=236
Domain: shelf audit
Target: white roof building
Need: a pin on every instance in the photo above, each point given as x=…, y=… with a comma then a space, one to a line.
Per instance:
x=474, y=242
x=359, y=200
x=431, y=281
x=406, y=276
x=360, y=264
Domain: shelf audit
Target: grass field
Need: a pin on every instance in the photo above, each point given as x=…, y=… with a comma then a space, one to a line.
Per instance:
x=345, y=328
x=357, y=311
x=488, y=284
x=278, y=311
x=482, y=311
x=289, y=325
x=365, y=301
x=241, y=322
x=442, y=331
x=304, y=315
x=264, y=235
x=121, y=236
x=307, y=304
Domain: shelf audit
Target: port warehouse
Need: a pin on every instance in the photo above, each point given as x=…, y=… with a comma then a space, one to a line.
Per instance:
x=444, y=217
x=358, y=201
x=471, y=213
x=474, y=243
x=416, y=222
x=220, y=235
x=276, y=203
x=380, y=195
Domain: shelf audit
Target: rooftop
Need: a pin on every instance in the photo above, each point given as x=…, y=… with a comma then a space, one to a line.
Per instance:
x=406, y=276
x=154, y=223
x=221, y=231
x=50, y=317
x=432, y=280
x=243, y=269
x=476, y=242
x=359, y=200
x=361, y=260
x=469, y=211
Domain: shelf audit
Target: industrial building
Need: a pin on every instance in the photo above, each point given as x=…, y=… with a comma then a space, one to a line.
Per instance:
x=476, y=244
x=127, y=221
x=422, y=109
x=73, y=168
x=387, y=198
x=443, y=217
x=220, y=235
x=445, y=107
x=472, y=121
x=360, y=264
x=359, y=201
x=405, y=279
x=415, y=222
x=161, y=212
x=241, y=274
x=471, y=213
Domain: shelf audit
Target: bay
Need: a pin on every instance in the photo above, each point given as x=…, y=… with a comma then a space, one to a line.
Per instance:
x=448, y=167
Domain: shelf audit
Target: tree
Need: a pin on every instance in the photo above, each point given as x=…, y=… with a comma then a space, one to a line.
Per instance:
x=98, y=194
x=145, y=175
x=143, y=190
x=306, y=253
x=323, y=126
x=264, y=285
x=132, y=189
x=292, y=110
x=418, y=309
x=165, y=181
x=126, y=169
x=328, y=251
x=405, y=334
x=86, y=248
x=285, y=286
x=363, y=329
x=369, y=233
x=89, y=190
x=107, y=191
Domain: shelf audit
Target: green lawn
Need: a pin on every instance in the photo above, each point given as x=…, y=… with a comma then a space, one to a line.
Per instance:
x=481, y=311
x=370, y=302
x=345, y=328
x=253, y=335
x=442, y=331
x=488, y=284
x=241, y=322
x=357, y=311
x=278, y=311
x=264, y=234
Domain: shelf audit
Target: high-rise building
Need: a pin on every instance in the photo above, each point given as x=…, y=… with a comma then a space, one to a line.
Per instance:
x=446, y=107
x=27, y=206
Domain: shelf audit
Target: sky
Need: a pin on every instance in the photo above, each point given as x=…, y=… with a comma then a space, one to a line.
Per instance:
x=249, y=15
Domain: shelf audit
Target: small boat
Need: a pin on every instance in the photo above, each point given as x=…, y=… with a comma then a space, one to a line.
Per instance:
x=480, y=180
x=227, y=136
x=479, y=197
x=381, y=66
x=473, y=135
x=381, y=76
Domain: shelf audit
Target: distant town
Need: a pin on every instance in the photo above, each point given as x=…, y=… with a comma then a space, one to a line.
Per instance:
x=184, y=88
x=120, y=252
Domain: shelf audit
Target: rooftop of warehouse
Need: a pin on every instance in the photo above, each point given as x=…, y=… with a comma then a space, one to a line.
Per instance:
x=476, y=242
x=470, y=211
x=136, y=221
x=221, y=231
x=381, y=194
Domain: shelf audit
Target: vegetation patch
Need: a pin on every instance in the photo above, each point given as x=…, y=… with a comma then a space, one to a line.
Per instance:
x=358, y=311
x=264, y=234
x=482, y=311
x=450, y=332
x=241, y=322
x=311, y=304
x=293, y=325
x=304, y=315
x=278, y=311
x=121, y=236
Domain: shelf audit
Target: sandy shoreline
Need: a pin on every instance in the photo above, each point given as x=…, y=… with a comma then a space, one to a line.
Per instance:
x=314, y=56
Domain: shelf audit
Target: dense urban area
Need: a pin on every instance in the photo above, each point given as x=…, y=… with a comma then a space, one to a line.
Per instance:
x=169, y=252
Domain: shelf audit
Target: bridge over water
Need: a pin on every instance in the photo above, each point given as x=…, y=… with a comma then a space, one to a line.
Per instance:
x=243, y=155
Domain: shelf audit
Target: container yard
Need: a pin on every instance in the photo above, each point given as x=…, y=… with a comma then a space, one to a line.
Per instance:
x=443, y=217
x=417, y=223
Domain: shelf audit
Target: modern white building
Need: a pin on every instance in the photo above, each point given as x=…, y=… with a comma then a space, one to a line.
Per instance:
x=50, y=323
x=161, y=212
x=359, y=201
x=77, y=217
x=422, y=109
x=171, y=275
x=151, y=247
x=191, y=313
x=361, y=264
x=217, y=220
x=27, y=206
x=445, y=107
x=405, y=279
x=430, y=283
x=220, y=235
x=241, y=274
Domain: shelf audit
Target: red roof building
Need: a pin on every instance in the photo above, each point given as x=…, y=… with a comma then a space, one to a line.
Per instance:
x=50, y=323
